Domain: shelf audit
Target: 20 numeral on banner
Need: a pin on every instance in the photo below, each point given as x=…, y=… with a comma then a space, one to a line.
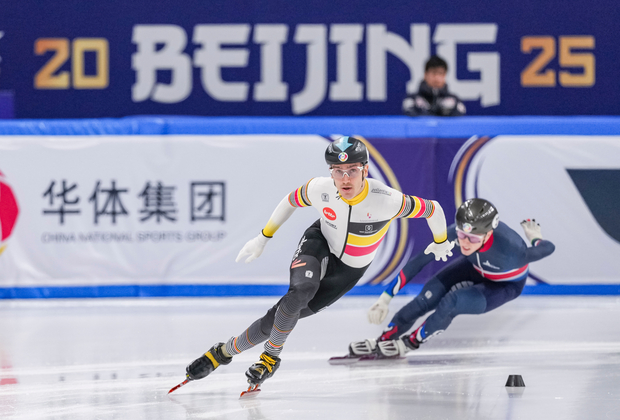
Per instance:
x=536, y=74
x=49, y=76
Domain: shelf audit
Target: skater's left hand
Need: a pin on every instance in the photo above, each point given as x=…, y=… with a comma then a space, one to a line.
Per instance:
x=379, y=310
x=442, y=250
x=531, y=229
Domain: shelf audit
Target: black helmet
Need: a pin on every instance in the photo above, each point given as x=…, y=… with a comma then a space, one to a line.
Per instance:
x=346, y=150
x=477, y=216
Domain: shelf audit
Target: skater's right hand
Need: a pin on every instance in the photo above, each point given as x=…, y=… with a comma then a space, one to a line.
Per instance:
x=379, y=310
x=253, y=248
x=441, y=250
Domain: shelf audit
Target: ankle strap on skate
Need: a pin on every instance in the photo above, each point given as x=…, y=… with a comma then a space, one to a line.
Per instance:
x=267, y=361
x=210, y=357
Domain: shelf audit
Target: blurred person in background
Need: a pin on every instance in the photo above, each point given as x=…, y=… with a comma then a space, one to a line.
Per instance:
x=433, y=97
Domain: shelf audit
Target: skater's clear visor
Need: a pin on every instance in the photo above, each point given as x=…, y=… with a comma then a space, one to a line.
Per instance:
x=351, y=172
x=474, y=239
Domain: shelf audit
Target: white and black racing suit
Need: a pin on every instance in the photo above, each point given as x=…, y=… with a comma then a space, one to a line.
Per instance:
x=334, y=252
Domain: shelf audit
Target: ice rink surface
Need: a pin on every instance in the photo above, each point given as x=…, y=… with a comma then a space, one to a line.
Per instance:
x=117, y=358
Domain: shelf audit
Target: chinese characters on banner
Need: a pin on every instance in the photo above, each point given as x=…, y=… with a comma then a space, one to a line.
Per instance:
x=207, y=200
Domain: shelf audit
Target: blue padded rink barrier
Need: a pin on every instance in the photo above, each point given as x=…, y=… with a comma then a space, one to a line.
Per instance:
x=116, y=358
x=390, y=126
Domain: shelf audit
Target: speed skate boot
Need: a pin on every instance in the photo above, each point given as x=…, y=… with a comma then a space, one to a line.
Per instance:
x=362, y=348
x=263, y=369
x=391, y=349
x=207, y=363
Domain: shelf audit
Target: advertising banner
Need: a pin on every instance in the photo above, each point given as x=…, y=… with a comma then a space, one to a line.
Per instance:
x=327, y=57
x=176, y=210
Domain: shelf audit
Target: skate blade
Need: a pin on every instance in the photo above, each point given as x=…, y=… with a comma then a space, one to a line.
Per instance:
x=252, y=392
x=380, y=359
x=343, y=360
x=179, y=385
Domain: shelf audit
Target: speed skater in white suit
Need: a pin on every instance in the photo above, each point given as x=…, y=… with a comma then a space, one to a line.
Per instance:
x=332, y=255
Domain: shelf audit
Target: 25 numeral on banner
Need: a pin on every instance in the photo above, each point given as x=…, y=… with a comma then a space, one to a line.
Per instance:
x=49, y=76
x=537, y=75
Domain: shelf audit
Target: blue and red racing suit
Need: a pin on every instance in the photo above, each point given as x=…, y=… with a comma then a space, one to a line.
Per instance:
x=476, y=284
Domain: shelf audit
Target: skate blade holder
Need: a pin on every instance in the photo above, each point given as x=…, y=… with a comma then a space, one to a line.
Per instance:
x=252, y=392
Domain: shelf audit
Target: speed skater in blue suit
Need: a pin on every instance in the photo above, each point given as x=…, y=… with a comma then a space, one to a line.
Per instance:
x=491, y=271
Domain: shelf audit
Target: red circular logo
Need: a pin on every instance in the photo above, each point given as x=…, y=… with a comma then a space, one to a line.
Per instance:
x=8, y=211
x=329, y=213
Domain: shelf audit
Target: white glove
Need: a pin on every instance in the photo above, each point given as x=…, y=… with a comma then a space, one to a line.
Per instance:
x=531, y=229
x=442, y=251
x=379, y=310
x=253, y=248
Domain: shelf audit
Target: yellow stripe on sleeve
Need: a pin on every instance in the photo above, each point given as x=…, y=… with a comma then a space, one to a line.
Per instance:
x=270, y=229
x=358, y=240
x=441, y=237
